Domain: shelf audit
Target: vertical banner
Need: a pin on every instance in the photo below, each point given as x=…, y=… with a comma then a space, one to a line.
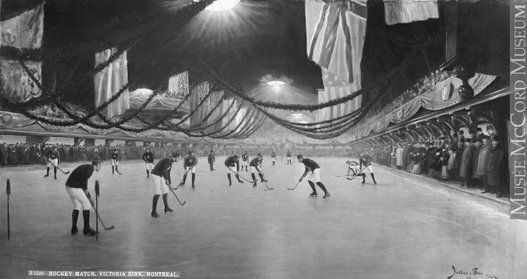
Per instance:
x=178, y=86
x=215, y=117
x=109, y=82
x=197, y=95
x=23, y=31
x=518, y=121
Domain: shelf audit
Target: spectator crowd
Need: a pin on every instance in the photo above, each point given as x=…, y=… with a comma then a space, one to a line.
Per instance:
x=475, y=161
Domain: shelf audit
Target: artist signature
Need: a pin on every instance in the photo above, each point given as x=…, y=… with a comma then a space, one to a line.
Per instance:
x=475, y=273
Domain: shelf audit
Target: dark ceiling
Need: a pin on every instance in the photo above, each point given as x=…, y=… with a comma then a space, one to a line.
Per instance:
x=258, y=38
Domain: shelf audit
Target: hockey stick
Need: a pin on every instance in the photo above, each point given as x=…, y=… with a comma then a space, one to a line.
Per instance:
x=64, y=172
x=181, y=183
x=268, y=187
x=99, y=217
x=294, y=187
x=174, y=193
x=360, y=173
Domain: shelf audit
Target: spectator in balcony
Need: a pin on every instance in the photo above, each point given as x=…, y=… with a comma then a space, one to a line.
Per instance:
x=466, y=164
x=482, y=169
x=496, y=165
x=479, y=133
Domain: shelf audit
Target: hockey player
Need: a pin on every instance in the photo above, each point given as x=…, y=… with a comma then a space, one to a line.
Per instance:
x=77, y=188
x=189, y=164
x=232, y=164
x=53, y=161
x=115, y=161
x=245, y=160
x=148, y=157
x=313, y=169
x=365, y=166
x=162, y=181
x=211, y=159
x=273, y=158
x=353, y=167
x=288, y=155
x=256, y=166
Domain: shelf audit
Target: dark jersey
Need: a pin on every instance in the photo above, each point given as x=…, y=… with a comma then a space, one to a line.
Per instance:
x=190, y=161
x=211, y=158
x=163, y=168
x=273, y=155
x=310, y=164
x=52, y=155
x=115, y=155
x=232, y=161
x=288, y=154
x=365, y=160
x=148, y=157
x=256, y=162
x=245, y=157
x=79, y=176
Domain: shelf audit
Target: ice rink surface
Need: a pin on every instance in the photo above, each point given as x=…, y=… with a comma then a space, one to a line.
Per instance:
x=400, y=228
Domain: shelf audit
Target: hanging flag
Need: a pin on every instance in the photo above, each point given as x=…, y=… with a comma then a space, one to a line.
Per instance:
x=23, y=31
x=215, y=98
x=178, y=86
x=335, y=33
x=197, y=95
x=334, y=88
x=405, y=11
x=110, y=80
x=17, y=85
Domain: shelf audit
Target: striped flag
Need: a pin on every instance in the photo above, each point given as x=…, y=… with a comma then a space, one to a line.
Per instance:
x=110, y=80
x=334, y=88
x=335, y=34
x=405, y=11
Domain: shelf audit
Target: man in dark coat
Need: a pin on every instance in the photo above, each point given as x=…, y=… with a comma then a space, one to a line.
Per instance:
x=476, y=180
x=211, y=159
x=466, y=165
x=496, y=175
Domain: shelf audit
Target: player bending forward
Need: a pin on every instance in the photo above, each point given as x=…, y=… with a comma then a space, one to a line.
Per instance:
x=313, y=169
x=115, y=162
x=53, y=161
x=77, y=188
x=256, y=166
x=161, y=178
x=353, y=168
x=189, y=164
x=232, y=164
x=148, y=157
x=365, y=166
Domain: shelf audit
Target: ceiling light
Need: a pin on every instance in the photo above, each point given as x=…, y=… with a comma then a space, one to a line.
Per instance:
x=222, y=5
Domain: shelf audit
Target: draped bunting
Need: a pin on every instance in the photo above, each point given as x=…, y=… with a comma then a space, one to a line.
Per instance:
x=443, y=95
x=178, y=86
x=23, y=31
x=110, y=80
x=405, y=11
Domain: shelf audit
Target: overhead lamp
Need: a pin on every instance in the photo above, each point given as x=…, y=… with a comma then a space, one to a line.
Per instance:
x=222, y=5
